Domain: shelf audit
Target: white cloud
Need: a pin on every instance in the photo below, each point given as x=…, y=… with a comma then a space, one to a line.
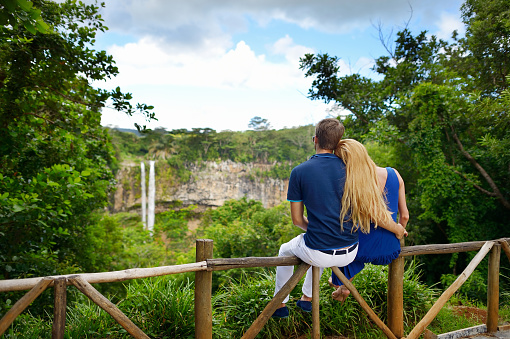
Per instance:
x=292, y=52
x=447, y=24
x=147, y=62
x=221, y=92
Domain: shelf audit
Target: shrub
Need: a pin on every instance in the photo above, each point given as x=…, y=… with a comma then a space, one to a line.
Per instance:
x=161, y=307
x=240, y=302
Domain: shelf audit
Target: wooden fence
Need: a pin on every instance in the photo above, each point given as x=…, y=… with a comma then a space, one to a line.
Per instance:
x=205, y=265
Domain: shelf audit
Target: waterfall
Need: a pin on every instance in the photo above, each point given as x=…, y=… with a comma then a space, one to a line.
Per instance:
x=144, y=197
x=152, y=197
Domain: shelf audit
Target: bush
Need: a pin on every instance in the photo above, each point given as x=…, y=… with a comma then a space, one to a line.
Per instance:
x=475, y=287
x=239, y=303
x=161, y=307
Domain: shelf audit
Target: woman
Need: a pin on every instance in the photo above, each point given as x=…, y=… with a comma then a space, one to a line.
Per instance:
x=378, y=246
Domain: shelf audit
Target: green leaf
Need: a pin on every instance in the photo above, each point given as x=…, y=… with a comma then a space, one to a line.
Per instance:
x=30, y=27
x=43, y=28
x=25, y=5
x=35, y=14
x=85, y=173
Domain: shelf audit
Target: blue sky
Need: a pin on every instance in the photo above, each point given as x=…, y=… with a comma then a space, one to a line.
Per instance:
x=219, y=63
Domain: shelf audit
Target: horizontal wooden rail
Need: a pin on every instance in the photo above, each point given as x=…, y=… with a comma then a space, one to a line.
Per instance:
x=441, y=248
x=137, y=273
x=222, y=264
x=229, y=263
x=106, y=277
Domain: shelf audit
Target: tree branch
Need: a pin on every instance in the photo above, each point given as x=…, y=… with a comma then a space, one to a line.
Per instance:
x=483, y=190
x=485, y=175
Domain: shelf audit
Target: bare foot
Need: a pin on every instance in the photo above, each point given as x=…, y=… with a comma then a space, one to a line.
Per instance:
x=341, y=294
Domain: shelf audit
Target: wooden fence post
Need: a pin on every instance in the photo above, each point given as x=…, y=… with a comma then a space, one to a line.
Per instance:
x=203, y=292
x=493, y=289
x=316, y=329
x=395, y=296
x=59, y=314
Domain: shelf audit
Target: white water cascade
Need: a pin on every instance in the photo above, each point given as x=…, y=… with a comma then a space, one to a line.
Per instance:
x=144, y=197
x=152, y=197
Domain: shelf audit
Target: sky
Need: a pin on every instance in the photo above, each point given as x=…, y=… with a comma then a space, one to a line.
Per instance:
x=217, y=64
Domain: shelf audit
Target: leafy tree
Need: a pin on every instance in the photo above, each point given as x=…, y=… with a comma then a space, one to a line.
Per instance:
x=443, y=107
x=487, y=44
x=259, y=124
x=16, y=12
x=183, y=146
x=55, y=157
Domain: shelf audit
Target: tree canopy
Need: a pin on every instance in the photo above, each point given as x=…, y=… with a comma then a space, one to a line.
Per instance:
x=444, y=107
x=55, y=157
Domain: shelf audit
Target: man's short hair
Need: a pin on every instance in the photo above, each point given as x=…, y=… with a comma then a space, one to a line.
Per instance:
x=328, y=133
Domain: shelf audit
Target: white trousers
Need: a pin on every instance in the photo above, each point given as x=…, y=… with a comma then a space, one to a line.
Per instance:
x=298, y=248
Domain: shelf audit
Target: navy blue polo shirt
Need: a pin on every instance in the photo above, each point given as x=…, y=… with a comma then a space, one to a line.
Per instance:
x=319, y=184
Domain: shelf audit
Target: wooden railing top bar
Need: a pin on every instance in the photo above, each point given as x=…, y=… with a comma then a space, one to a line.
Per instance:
x=105, y=277
x=443, y=248
x=137, y=273
x=227, y=264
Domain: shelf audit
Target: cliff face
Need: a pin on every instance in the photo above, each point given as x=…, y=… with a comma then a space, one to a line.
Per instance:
x=210, y=185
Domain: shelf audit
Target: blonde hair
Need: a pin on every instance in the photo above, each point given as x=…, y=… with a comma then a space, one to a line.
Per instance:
x=362, y=195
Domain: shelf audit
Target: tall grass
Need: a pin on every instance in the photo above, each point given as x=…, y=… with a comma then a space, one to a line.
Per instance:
x=162, y=307
x=239, y=303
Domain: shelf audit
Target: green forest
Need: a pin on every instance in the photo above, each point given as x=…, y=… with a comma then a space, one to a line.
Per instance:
x=438, y=114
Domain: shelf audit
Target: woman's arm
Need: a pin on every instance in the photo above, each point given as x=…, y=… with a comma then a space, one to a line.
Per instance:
x=389, y=225
x=403, y=212
x=297, y=213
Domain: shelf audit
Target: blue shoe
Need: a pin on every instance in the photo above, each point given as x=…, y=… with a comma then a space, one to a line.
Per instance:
x=304, y=305
x=282, y=312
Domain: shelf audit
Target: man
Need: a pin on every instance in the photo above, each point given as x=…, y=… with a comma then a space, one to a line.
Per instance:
x=318, y=184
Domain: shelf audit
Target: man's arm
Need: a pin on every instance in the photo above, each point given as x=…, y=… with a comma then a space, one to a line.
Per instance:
x=297, y=212
x=403, y=212
x=393, y=227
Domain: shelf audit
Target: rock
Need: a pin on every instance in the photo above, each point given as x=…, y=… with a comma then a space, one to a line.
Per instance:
x=210, y=185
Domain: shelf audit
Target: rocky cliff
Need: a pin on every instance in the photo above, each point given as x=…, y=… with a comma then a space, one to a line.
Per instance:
x=210, y=184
